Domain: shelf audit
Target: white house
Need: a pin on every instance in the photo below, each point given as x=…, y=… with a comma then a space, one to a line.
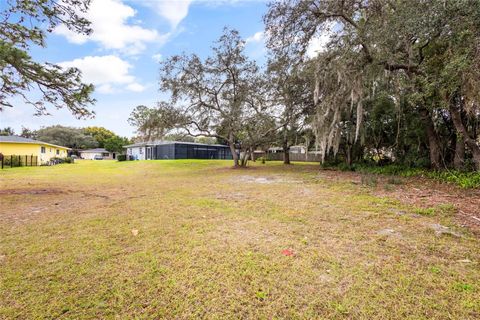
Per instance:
x=298, y=149
x=137, y=151
x=97, y=154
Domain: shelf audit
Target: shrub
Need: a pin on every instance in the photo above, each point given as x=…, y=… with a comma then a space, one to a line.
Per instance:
x=345, y=167
x=463, y=179
x=57, y=160
x=12, y=161
x=121, y=157
x=262, y=159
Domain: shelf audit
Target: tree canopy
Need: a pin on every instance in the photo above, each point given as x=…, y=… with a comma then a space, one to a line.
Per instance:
x=396, y=81
x=24, y=24
x=424, y=56
x=78, y=138
x=71, y=137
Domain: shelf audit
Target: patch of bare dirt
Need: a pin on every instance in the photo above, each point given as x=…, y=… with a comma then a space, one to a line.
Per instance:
x=265, y=179
x=31, y=204
x=440, y=230
x=244, y=232
x=231, y=196
x=30, y=191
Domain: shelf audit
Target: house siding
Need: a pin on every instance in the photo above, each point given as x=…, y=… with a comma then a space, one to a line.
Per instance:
x=91, y=155
x=32, y=149
x=137, y=153
x=177, y=150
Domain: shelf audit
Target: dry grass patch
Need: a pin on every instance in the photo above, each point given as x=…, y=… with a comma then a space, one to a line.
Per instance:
x=195, y=239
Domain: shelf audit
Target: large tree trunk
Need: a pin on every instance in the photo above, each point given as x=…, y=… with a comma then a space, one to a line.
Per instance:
x=244, y=158
x=348, y=154
x=462, y=132
x=433, y=145
x=234, y=154
x=286, y=154
x=459, y=157
x=286, y=147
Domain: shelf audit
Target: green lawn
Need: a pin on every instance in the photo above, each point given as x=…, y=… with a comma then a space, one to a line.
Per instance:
x=197, y=239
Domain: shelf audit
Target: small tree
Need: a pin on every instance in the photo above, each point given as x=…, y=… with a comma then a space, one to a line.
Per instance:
x=115, y=144
x=27, y=133
x=218, y=97
x=152, y=123
x=7, y=131
x=100, y=134
x=292, y=89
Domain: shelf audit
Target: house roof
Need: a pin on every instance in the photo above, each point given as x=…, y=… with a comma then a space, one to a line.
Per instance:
x=17, y=139
x=160, y=142
x=96, y=150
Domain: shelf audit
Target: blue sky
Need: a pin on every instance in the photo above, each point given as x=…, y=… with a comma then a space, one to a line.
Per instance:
x=121, y=56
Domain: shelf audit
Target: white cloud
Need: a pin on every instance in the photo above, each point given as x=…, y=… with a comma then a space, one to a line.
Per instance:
x=255, y=46
x=157, y=57
x=318, y=43
x=135, y=87
x=105, y=88
x=111, y=29
x=257, y=37
x=106, y=72
x=174, y=11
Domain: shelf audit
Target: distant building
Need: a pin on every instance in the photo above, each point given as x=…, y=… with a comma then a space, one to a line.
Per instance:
x=176, y=150
x=97, y=154
x=298, y=149
x=43, y=151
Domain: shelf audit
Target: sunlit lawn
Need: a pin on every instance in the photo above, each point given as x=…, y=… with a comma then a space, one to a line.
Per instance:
x=197, y=239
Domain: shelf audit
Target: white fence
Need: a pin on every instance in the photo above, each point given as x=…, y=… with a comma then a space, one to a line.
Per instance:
x=302, y=157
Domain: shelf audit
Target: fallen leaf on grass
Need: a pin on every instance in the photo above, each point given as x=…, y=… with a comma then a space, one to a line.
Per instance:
x=288, y=252
x=135, y=232
x=464, y=260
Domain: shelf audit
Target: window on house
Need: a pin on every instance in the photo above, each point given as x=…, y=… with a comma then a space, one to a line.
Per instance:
x=42, y=149
x=50, y=149
x=58, y=151
x=105, y=154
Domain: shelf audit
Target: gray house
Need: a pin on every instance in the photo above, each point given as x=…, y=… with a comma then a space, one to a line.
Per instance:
x=157, y=150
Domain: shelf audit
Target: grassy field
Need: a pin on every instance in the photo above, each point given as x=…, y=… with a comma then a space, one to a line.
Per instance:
x=197, y=239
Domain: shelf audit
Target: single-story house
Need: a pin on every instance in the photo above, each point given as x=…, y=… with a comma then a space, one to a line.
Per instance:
x=43, y=151
x=157, y=150
x=97, y=153
x=298, y=149
x=293, y=149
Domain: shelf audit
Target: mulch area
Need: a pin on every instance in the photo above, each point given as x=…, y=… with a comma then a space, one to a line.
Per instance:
x=425, y=193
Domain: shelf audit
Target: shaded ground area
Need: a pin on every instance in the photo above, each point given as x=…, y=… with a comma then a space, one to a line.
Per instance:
x=422, y=193
x=195, y=239
x=429, y=194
